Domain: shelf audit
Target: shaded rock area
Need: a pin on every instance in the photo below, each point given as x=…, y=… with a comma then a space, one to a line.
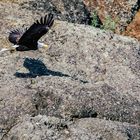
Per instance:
x=120, y=12
x=86, y=85
x=120, y=16
x=72, y=11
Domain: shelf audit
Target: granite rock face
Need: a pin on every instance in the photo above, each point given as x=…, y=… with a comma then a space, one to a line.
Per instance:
x=85, y=85
x=42, y=127
x=72, y=11
x=121, y=12
x=120, y=16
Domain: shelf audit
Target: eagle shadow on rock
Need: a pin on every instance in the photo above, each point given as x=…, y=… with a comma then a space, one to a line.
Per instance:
x=37, y=68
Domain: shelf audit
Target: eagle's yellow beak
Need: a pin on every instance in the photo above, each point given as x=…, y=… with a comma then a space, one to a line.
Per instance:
x=45, y=46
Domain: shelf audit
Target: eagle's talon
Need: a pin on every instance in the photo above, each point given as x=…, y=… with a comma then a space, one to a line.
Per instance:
x=12, y=50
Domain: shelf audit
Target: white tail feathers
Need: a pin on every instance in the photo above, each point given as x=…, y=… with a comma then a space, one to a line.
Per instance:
x=4, y=49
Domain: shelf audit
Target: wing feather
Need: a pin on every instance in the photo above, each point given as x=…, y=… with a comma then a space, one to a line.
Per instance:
x=50, y=20
x=37, y=22
x=15, y=35
x=36, y=31
x=45, y=19
x=41, y=20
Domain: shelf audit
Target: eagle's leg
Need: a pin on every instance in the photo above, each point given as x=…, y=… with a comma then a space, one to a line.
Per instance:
x=12, y=50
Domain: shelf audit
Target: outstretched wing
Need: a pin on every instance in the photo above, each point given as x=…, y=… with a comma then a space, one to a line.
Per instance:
x=36, y=31
x=15, y=35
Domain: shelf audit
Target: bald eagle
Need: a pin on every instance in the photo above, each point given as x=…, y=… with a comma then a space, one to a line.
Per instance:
x=28, y=40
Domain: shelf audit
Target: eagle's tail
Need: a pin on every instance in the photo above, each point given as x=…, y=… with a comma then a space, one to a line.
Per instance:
x=4, y=49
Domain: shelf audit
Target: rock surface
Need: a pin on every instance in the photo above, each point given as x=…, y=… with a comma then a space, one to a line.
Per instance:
x=42, y=127
x=85, y=86
x=121, y=11
x=120, y=16
x=73, y=11
x=133, y=29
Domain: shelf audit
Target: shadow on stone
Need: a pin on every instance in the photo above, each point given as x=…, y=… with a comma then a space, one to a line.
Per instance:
x=90, y=113
x=37, y=68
